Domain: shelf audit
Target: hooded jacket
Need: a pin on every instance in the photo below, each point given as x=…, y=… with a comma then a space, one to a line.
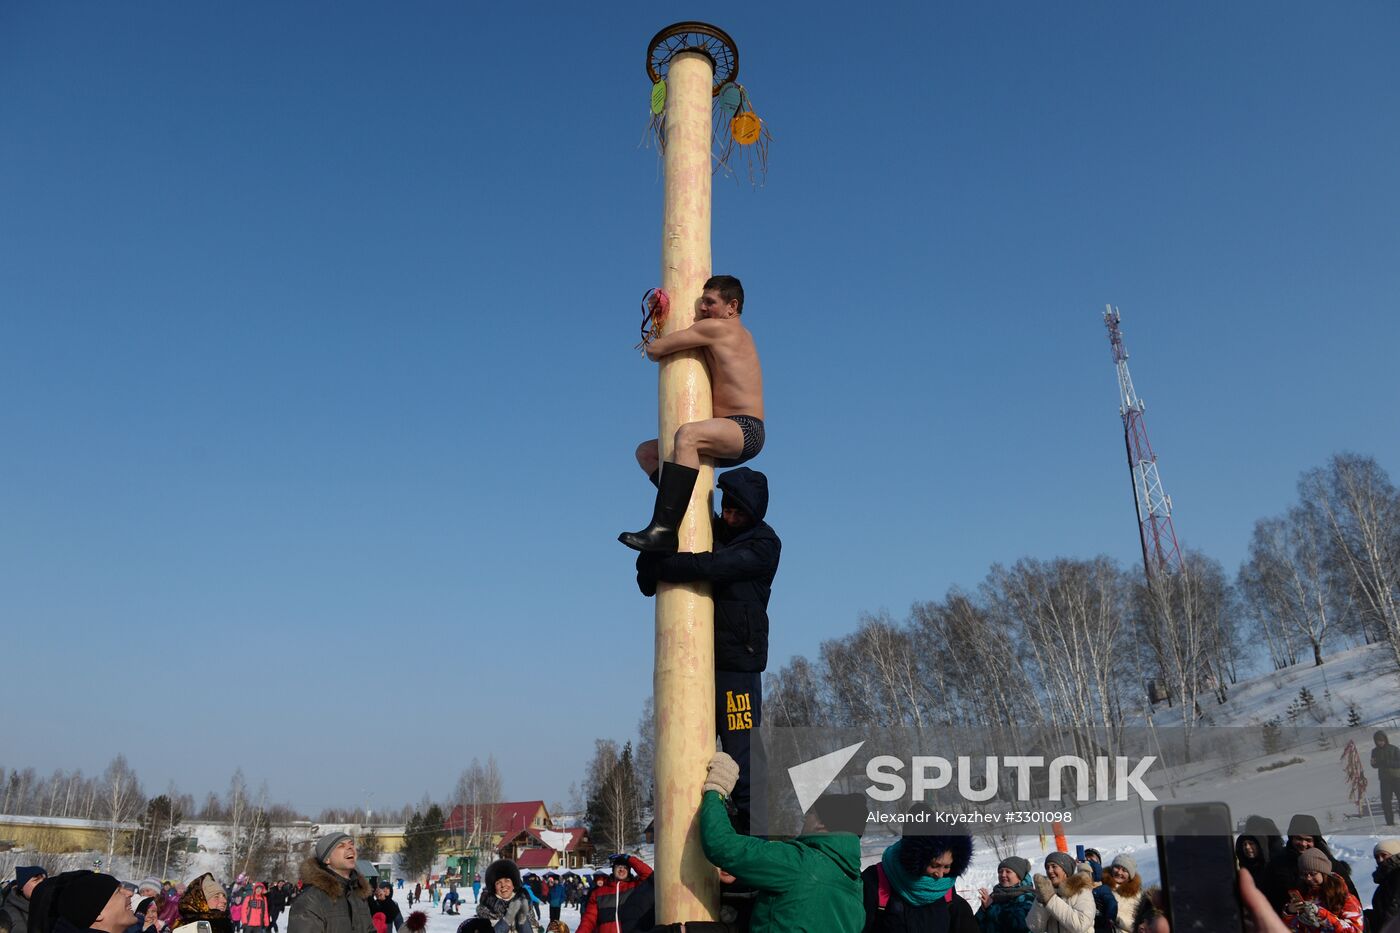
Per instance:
x=810, y=884
x=740, y=570
x=607, y=907
x=256, y=912
x=194, y=907
x=1281, y=875
x=329, y=903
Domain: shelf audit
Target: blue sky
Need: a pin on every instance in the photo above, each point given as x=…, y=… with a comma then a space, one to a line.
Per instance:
x=316, y=327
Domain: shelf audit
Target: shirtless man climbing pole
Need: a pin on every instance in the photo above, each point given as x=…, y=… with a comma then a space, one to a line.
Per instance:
x=732, y=437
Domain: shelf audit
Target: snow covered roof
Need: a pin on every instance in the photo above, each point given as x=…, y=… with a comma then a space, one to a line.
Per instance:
x=559, y=841
x=508, y=818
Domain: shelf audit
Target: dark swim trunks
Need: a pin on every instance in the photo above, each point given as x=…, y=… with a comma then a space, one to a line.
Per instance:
x=753, y=440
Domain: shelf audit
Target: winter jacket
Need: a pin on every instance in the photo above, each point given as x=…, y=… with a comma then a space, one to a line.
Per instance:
x=556, y=894
x=952, y=914
x=389, y=908
x=810, y=884
x=329, y=903
x=1007, y=911
x=276, y=902
x=740, y=571
x=1258, y=866
x=1105, y=909
x=256, y=912
x=1386, y=760
x=1385, y=905
x=1315, y=917
x=512, y=916
x=638, y=912
x=170, y=908
x=1129, y=894
x=193, y=907
x=1071, y=910
x=16, y=908
x=605, y=908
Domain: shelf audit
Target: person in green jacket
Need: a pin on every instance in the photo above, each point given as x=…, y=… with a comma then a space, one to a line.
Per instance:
x=810, y=884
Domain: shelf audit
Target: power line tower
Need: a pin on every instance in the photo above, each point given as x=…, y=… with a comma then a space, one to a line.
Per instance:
x=1161, y=555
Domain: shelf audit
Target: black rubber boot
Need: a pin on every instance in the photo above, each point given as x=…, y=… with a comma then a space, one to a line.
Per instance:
x=672, y=498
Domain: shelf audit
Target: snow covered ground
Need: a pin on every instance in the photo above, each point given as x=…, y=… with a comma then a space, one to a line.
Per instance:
x=442, y=923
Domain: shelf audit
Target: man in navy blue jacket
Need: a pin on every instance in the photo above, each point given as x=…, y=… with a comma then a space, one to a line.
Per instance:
x=740, y=572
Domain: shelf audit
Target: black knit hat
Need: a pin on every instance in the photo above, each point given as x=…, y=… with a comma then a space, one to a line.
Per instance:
x=25, y=873
x=51, y=899
x=81, y=901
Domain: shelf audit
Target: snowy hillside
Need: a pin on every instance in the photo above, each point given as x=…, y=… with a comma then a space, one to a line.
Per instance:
x=1365, y=676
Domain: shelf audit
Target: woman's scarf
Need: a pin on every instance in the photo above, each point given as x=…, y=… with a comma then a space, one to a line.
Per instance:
x=492, y=907
x=495, y=910
x=1011, y=892
x=919, y=891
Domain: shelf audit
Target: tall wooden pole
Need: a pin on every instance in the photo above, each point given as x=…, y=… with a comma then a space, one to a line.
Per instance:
x=687, y=888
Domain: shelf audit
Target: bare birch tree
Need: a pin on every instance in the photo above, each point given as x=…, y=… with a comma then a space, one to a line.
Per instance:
x=1286, y=586
x=1177, y=619
x=121, y=799
x=479, y=789
x=614, y=796
x=1356, y=502
x=1072, y=614
x=646, y=751
x=237, y=806
x=793, y=696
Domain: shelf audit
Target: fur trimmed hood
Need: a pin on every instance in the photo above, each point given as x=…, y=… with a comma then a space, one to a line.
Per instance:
x=1130, y=888
x=318, y=876
x=1075, y=883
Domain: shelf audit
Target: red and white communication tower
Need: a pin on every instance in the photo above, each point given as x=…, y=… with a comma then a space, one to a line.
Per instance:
x=1160, y=552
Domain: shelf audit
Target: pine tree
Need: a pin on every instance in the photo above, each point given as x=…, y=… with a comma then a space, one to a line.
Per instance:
x=1353, y=715
x=1273, y=736
x=368, y=845
x=422, y=835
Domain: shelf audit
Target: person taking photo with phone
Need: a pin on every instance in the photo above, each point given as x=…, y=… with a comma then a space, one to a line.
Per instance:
x=1321, y=900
